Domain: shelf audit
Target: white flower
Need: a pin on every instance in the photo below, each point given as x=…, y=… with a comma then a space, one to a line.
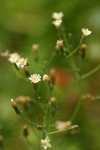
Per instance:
x=13, y=57
x=57, y=16
x=61, y=125
x=57, y=23
x=21, y=62
x=46, y=77
x=12, y=100
x=86, y=32
x=45, y=143
x=35, y=78
x=59, y=43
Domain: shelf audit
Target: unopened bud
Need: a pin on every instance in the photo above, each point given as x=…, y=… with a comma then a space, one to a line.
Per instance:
x=83, y=46
x=82, y=50
x=52, y=75
x=53, y=105
x=23, y=99
x=46, y=77
x=52, y=100
x=25, y=131
x=35, y=47
x=14, y=105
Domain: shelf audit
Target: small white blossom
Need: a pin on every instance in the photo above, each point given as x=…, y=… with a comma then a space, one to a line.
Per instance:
x=59, y=43
x=86, y=32
x=57, y=16
x=35, y=78
x=21, y=62
x=57, y=23
x=45, y=143
x=61, y=125
x=12, y=100
x=46, y=77
x=13, y=57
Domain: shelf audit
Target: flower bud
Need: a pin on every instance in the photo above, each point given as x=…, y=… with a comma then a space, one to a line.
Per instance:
x=82, y=51
x=14, y=105
x=52, y=100
x=35, y=47
x=25, y=131
x=46, y=77
x=53, y=105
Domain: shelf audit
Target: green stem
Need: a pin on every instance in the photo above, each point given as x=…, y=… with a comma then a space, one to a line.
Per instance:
x=31, y=122
x=76, y=49
x=50, y=121
x=90, y=72
x=42, y=107
x=68, y=129
x=77, y=108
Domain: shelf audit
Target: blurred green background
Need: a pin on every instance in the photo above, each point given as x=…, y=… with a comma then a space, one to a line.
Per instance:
x=23, y=23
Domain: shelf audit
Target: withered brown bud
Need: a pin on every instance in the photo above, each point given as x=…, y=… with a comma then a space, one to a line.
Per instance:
x=25, y=130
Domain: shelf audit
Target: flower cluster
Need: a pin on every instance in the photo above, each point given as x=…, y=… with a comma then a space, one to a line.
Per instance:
x=58, y=19
x=15, y=58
